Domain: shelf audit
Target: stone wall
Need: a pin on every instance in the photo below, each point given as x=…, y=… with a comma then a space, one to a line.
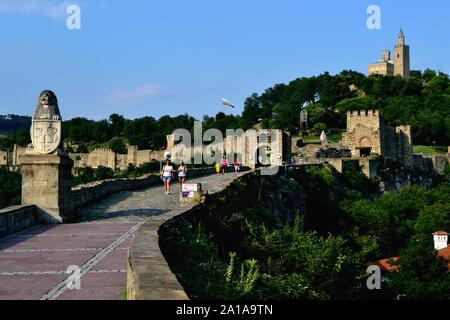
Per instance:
x=149, y=275
x=382, y=68
x=88, y=193
x=363, y=131
x=3, y=158
x=99, y=157
x=16, y=219
x=368, y=134
x=344, y=164
x=439, y=163
x=247, y=146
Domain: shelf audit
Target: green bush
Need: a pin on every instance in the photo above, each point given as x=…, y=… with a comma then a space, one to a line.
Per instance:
x=103, y=173
x=319, y=128
x=10, y=187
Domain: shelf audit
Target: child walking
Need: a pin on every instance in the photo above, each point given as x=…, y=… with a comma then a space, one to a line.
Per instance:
x=217, y=168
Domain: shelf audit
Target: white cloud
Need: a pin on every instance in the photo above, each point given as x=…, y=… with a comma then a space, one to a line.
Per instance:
x=141, y=92
x=55, y=9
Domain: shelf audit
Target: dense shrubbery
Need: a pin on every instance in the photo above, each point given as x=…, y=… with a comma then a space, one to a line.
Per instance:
x=243, y=247
x=21, y=137
x=10, y=188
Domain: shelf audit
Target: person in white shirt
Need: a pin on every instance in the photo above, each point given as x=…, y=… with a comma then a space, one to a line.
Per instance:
x=182, y=172
x=166, y=176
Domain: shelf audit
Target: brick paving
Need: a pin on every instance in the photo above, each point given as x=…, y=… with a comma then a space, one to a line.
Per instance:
x=34, y=263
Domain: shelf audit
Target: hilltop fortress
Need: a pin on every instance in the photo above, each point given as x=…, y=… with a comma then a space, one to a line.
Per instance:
x=399, y=66
x=367, y=134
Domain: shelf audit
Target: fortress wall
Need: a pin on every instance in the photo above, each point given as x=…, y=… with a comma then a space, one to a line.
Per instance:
x=102, y=157
x=121, y=161
x=147, y=156
x=366, y=118
x=80, y=160
x=439, y=163
x=405, y=145
x=364, y=129
x=3, y=158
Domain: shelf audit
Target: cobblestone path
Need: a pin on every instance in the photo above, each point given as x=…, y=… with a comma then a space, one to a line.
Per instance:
x=34, y=264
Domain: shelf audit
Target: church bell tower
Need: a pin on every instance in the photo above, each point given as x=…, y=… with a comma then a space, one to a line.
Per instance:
x=402, y=57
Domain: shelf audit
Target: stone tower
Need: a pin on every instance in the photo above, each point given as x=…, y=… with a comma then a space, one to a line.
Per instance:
x=402, y=57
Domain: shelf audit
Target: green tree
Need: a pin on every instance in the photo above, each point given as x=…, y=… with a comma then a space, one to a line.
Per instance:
x=286, y=116
x=252, y=112
x=82, y=148
x=118, y=146
x=10, y=187
x=319, y=128
x=117, y=124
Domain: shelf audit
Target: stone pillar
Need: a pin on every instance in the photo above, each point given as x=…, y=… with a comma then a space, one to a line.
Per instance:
x=46, y=169
x=46, y=183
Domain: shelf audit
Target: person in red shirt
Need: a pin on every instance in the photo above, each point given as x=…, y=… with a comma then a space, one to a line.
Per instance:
x=237, y=166
x=224, y=164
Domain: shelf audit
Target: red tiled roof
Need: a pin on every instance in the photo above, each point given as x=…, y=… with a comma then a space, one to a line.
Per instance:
x=445, y=253
x=440, y=233
x=385, y=264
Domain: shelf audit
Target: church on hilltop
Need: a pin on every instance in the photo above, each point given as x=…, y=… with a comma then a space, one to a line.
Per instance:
x=399, y=66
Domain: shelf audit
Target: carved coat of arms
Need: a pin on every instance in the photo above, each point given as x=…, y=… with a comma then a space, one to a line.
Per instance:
x=46, y=127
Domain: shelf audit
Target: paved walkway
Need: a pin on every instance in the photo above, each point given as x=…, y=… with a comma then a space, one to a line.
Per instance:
x=34, y=263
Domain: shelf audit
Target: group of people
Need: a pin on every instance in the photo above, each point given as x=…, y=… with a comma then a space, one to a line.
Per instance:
x=222, y=167
x=168, y=172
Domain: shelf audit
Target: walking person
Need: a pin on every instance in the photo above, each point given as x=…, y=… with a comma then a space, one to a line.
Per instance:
x=224, y=164
x=182, y=172
x=237, y=165
x=217, y=166
x=166, y=176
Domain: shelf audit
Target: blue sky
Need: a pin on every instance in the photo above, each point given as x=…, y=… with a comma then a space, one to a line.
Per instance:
x=147, y=57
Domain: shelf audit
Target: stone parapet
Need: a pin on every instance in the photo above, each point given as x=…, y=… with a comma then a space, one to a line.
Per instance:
x=16, y=219
x=88, y=193
x=149, y=275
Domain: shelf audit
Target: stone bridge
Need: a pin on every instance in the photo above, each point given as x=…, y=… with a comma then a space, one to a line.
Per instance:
x=34, y=263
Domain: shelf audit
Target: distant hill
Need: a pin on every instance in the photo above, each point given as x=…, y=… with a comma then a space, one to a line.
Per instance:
x=11, y=123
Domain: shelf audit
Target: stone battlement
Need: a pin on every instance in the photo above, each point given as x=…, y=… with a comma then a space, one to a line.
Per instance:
x=106, y=150
x=363, y=113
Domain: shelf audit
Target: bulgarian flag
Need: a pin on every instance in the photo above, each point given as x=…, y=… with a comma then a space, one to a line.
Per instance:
x=227, y=103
